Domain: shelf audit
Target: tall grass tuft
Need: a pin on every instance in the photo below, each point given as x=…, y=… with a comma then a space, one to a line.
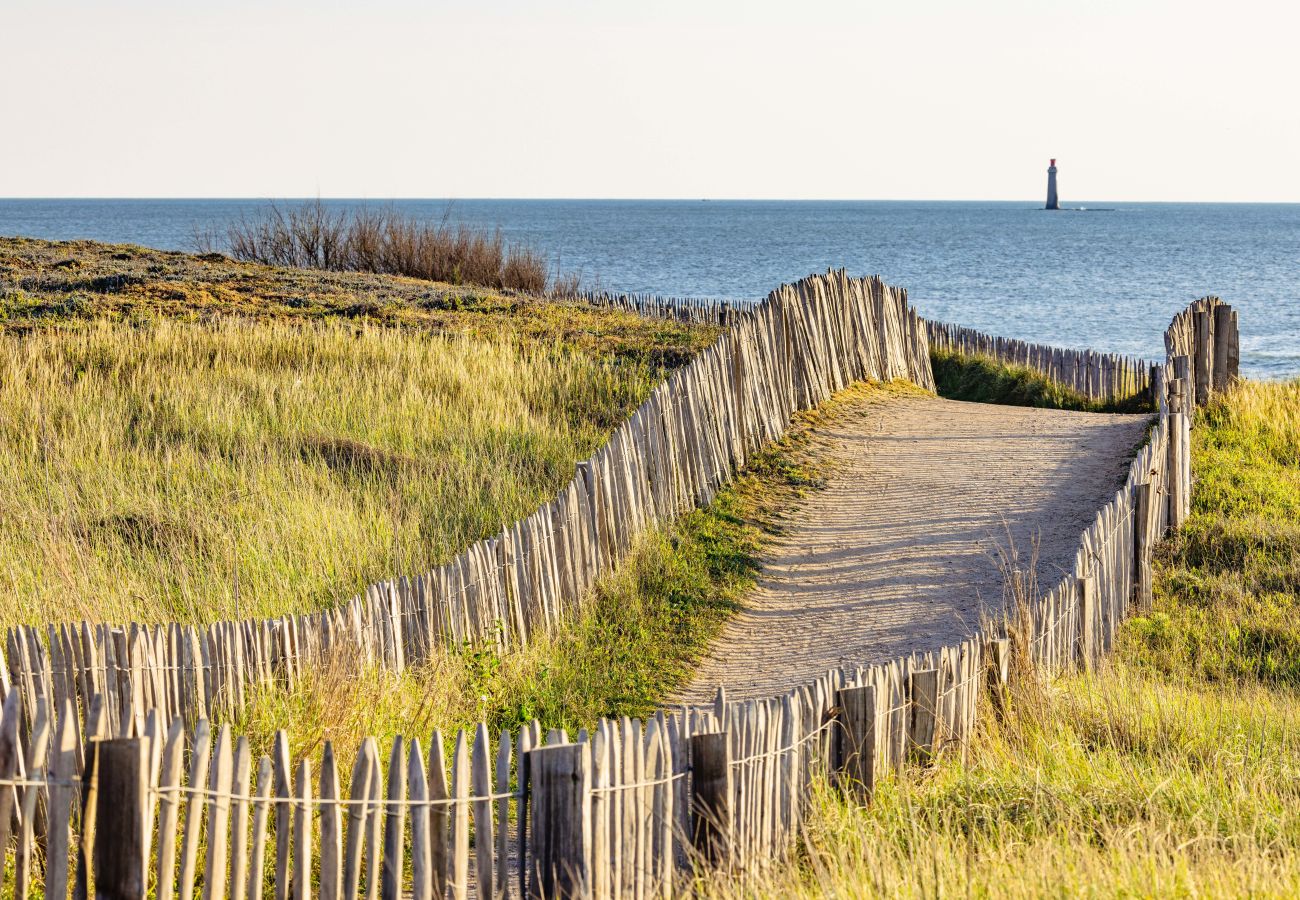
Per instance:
x=311, y=235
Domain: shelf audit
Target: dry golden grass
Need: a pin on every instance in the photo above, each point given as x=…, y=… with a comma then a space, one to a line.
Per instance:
x=64, y=284
x=193, y=438
x=197, y=472
x=311, y=235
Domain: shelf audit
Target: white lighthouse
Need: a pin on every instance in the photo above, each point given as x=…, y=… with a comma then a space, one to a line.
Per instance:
x=1052, y=201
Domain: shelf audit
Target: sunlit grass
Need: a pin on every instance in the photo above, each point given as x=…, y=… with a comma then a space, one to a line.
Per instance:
x=1226, y=589
x=202, y=471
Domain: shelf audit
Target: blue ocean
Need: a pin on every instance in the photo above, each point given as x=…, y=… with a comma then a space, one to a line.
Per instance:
x=1107, y=276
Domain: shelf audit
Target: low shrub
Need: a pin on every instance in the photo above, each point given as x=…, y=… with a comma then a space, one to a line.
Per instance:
x=313, y=236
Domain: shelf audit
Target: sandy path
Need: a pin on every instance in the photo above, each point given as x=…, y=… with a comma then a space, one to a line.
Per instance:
x=898, y=552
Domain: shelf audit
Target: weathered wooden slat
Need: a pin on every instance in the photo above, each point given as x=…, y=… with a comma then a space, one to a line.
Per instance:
x=200, y=753
x=374, y=822
x=331, y=828
x=219, y=784
x=357, y=820
x=484, y=829
x=261, y=812
x=439, y=816
x=502, y=786
x=458, y=871
x=35, y=769
x=10, y=761
x=283, y=773
x=239, y=850
x=63, y=770
x=300, y=887
x=421, y=855
x=169, y=803
x=524, y=745
x=394, y=824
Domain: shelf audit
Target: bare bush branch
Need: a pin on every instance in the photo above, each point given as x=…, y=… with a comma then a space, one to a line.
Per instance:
x=384, y=241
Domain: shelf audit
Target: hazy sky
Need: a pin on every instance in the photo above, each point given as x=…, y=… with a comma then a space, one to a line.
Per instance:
x=505, y=98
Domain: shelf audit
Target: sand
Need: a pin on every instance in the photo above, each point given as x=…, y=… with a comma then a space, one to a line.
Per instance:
x=900, y=551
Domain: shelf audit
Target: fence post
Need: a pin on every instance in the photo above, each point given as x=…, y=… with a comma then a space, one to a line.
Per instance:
x=711, y=822
x=561, y=822
x=1087, y=595
x=1234, y=348
x=1177, y=389
x=1183, y=378
x=857, y=740
x=1142, y=545
x=120, y=769
x=1179, y=469
x=10, y=750
x=1204, y=354
x=1185, y=460
x=1223, y=335
x=997, y=666
x=1173, y=470
x=924, y=691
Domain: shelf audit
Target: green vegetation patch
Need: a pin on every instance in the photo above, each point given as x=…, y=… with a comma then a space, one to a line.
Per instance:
x=983, y=379
x=1227, y=587
x=1119, y=786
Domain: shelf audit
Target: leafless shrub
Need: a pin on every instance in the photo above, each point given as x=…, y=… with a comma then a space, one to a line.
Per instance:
x=310, y=235
x=566, y=285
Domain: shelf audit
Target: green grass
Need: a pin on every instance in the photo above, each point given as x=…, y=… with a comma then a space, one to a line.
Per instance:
x=983, y=379
x=1226, y=587
x=1170, y=772
x=204, y=440
x=637, y=640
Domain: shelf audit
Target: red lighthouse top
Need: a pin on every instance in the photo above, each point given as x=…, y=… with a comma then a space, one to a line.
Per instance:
x=1053, y=161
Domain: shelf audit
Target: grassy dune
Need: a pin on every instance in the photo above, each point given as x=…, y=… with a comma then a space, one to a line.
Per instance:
x=1171, y=772
x=190, y=438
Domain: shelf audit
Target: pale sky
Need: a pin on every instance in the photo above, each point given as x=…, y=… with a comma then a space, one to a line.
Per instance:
x=814, y=99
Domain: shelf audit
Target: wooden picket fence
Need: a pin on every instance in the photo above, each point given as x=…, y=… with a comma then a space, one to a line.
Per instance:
x=1104, y=377
x=147, y=801
x=1107, y=377
x=685, y=441
x=630, y=810
x=698, y=310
